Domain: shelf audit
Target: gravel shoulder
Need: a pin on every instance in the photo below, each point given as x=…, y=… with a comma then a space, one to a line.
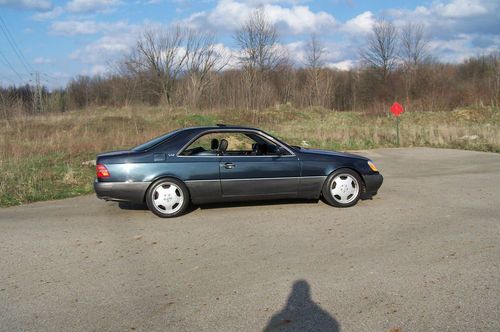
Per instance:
x=422, y=255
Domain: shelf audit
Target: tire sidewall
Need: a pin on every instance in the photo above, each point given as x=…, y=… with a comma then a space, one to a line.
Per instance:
x=327, y=195
x=185, y=193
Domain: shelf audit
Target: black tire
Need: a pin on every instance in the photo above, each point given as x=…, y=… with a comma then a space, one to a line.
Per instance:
x=179, y=190
x=343, y=174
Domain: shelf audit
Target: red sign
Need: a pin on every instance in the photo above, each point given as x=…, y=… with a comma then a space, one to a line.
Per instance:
x=397, y=109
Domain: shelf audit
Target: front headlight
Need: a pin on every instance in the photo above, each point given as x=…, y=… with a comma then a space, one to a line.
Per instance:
x=372, y=166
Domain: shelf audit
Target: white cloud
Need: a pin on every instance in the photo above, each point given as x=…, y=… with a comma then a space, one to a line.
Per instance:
x=98, y=70
x=109, y=47
x=455, y=36
x=84, y=6
x=27, y=4
x=360, y=24
x=42, y=61
x=341, y=65
x=297, y=52
x=228, y=54
x=458, y=28
x=49, y=15
x=463, y=47
x=229, y=15
x=460, y=8
x=89, y=27
x=75, y=6
x=331, y=52
x=453, y=16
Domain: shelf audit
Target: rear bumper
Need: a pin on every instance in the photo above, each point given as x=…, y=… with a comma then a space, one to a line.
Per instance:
x=121, y=191
x=373, y=183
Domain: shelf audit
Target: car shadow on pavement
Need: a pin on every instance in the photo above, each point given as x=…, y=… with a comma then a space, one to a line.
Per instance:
x=144, y=207
x=236, y=204
x=192, y=207
x=132, y=206
x=301, y=313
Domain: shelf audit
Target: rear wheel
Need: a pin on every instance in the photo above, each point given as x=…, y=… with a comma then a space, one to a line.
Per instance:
x=343, y=188
x=167, y=198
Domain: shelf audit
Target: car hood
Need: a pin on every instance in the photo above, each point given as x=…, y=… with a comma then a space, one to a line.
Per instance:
x=331, y=153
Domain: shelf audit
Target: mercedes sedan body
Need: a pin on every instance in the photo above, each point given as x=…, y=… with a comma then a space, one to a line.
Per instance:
x=229, y=163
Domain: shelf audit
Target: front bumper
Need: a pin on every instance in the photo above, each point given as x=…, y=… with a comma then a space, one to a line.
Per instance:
x=121, y=191
x=373, y=183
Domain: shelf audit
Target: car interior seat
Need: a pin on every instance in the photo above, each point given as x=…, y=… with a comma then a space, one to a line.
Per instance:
x=223, y=146
x=214, y=144
x=261, y=149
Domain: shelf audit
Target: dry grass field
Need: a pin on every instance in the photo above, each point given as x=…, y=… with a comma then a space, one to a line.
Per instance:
x=45, y=157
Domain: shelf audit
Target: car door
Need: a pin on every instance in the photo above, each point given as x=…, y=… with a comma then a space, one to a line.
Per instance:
x=199, y=171
x=255, y=176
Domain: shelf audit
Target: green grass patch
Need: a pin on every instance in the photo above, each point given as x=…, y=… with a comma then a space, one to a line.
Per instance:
x=43, y=177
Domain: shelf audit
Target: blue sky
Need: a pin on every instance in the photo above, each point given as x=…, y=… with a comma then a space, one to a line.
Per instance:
x=61, y=39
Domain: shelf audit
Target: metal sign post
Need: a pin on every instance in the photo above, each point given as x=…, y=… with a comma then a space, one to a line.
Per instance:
x=397, y=109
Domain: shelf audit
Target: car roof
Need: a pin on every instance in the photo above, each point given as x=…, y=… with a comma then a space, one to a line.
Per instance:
x=219, y=127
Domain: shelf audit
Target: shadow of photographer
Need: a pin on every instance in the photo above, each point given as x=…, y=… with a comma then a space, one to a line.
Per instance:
x=301, y=313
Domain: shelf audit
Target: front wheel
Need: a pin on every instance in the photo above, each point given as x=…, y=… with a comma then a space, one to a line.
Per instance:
x=167, y=198
x=343, y=188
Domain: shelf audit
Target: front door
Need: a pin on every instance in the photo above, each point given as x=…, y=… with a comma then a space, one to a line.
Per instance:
x=251, y=167
x=259, y=176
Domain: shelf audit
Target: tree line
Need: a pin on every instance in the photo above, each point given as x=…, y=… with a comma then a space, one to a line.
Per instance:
x=179, y=67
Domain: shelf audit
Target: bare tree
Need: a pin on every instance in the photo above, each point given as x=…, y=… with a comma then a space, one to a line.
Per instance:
x=381, y=49
x=260, y=53
x=202, y=60
x=414, y=44
x=259, y=43
x=413, y=52
x=160, y=53
x=315, y=52
x=125, y=72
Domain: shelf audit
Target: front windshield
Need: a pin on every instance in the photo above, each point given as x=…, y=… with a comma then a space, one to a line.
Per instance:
x=154, y=141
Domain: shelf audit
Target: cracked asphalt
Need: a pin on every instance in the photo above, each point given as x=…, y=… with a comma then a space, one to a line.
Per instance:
x=422, y=255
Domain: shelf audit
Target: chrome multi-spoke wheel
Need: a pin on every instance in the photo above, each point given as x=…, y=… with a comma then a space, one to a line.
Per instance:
x=167, y=198
x=343, y=188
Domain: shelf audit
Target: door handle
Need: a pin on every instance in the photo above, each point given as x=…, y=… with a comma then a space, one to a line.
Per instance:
x=229, y=165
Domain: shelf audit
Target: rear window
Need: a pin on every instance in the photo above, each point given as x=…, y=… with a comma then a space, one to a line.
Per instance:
x=155, y=141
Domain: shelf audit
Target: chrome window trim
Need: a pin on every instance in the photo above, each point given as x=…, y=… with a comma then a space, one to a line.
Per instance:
x=261, y=179
x=269, y=138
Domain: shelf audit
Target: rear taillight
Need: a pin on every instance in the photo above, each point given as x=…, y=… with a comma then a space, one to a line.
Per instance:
x=101, y=171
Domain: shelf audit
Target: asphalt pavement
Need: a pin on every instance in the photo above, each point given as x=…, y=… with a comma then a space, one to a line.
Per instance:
x=422, y=255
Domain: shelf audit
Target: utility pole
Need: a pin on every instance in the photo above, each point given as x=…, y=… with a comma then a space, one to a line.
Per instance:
x=37, y=95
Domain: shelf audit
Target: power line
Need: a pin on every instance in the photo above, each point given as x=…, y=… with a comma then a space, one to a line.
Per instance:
x=49, y=78
x=15, y=47
x=10, y=65
x=22, y=59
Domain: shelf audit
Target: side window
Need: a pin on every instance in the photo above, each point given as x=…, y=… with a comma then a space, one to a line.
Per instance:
x=206, y=145
x=238, y=144
x=265, y=147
